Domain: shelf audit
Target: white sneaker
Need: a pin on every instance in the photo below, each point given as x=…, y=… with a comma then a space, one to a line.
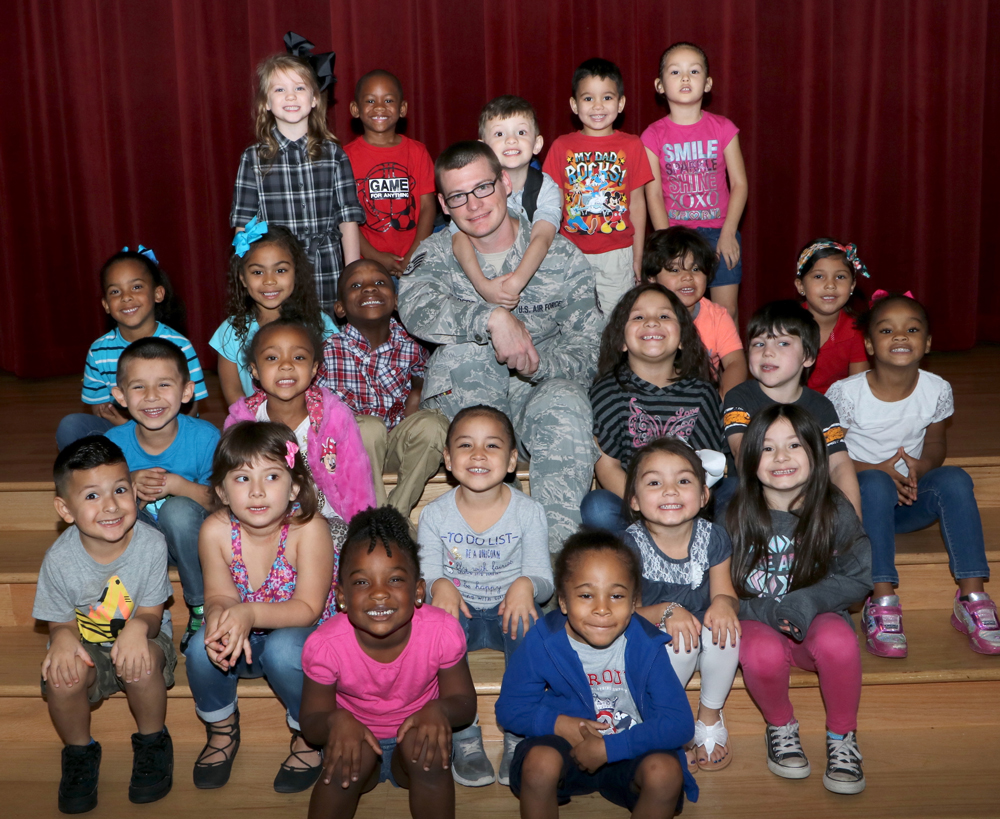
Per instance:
x=843, y=765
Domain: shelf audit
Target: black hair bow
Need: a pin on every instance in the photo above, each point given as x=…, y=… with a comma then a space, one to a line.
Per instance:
x=322, y=64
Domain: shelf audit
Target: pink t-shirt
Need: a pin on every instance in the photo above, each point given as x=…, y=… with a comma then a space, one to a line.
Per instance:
x=693, y=168
x=382, y=695
x=717, y=331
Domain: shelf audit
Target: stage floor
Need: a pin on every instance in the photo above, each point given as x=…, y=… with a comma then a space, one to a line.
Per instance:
x=30, y=410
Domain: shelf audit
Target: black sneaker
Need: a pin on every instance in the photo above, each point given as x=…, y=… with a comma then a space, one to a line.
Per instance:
x=843, y=765
x=78, y=786
x=785, y=756
x=152, y=767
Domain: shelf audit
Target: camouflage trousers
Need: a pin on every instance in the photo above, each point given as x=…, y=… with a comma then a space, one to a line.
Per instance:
x=555, y=431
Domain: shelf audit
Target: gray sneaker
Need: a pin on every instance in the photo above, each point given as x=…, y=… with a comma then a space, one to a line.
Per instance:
x=469, y=764
x=510, y=743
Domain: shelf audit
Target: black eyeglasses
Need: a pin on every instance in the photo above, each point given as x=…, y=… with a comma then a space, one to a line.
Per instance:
x=456, y=200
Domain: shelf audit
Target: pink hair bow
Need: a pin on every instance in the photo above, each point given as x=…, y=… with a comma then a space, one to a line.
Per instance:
x=880, y=294
x=290, y=449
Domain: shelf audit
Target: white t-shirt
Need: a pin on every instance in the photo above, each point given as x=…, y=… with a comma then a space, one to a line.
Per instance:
x=876, y=429
x=300, y=432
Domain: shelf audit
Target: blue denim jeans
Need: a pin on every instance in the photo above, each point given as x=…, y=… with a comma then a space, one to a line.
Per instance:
x=723, y=275
x=485, y=630
x=79, y=425
x=180, y=522
x=602, y=509
x=277, y=656
x=943, y=494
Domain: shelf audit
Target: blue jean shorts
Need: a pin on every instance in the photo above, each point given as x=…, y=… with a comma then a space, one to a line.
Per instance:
x=723, y=275
x=385, y=772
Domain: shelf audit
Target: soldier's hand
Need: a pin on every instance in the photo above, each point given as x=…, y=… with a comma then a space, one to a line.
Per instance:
x=512, y=342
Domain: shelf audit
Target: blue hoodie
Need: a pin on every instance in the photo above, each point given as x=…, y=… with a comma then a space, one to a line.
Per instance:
x=545, y=679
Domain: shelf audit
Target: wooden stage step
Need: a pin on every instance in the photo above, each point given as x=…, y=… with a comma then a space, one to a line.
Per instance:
x=925, y=581
x=919, y=771
x=939, y=655
x=27, y=506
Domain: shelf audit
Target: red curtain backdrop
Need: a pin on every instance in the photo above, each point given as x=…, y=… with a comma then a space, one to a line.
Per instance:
x=861, y=119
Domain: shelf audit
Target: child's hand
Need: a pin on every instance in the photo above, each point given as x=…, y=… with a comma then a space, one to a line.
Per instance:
x=109, y=412
x=445, y=596
x=390, y=261
x=130, y=653
x=343, y=747
x=916, y=471
x=151, y=483
x=518, y=606
x=432, y=735
x=591, y=753
x=495, y=292
x=683, y=622
x=574, y=729
x=729, y=249
x=61, y=664
x=231, y=637
x=722, y=619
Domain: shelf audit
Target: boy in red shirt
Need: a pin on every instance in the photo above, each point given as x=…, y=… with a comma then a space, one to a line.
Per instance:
x=394, y=174
x=602, y=172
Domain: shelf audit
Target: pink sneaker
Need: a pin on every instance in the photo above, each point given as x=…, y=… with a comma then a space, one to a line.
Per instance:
x=883, y=625
x=977, y=617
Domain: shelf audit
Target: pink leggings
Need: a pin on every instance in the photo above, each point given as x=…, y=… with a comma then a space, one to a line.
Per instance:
x=830, y=649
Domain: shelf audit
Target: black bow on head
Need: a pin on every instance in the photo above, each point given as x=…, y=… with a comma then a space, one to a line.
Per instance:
x=322, y=64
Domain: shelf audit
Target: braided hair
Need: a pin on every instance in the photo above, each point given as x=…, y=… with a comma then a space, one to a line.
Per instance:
x=374, y=526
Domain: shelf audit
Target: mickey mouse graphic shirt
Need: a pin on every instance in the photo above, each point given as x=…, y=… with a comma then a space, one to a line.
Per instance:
x=598, y=177
x=630, y=414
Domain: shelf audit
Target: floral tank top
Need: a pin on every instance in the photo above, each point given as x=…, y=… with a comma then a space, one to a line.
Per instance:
x=279, y=585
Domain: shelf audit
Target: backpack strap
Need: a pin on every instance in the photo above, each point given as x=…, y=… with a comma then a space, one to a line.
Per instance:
x=532, y=185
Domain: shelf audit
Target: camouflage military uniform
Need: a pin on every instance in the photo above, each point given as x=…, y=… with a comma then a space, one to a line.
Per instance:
x=551, y=409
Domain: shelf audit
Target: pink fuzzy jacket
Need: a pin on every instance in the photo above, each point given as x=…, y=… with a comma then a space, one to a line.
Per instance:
x=336, y=455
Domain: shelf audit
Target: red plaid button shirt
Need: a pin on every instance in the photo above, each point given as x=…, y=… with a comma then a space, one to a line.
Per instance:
x=372, y=382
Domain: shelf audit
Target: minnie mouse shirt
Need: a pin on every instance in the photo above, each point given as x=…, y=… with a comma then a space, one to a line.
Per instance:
x=629, y=416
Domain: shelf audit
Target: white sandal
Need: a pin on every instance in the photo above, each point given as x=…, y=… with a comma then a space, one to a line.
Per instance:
x=710, y=736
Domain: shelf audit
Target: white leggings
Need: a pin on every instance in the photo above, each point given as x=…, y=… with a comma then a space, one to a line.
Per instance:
x=717, y=664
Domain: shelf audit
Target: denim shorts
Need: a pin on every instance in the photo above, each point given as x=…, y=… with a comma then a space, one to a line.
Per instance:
x=723, y=275
x=385, y=772
x=613, y=780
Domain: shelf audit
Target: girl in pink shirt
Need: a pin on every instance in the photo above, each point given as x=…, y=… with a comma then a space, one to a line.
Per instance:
x=684, y=262
x=692, y=152
x=385, y=684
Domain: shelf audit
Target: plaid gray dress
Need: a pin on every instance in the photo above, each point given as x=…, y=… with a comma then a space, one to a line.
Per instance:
x=310, y=198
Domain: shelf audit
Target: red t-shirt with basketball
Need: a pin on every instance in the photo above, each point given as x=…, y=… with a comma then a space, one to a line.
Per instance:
x=390, y=182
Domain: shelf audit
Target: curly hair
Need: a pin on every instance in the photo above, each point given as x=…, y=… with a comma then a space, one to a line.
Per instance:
x=249, y=441
x=383, y=525
x=170, y=310
x=301, y=304
x=264, y=120
x=691, y=360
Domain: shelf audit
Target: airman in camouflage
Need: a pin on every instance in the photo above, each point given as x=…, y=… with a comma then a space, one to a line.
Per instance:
x=534, y=363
